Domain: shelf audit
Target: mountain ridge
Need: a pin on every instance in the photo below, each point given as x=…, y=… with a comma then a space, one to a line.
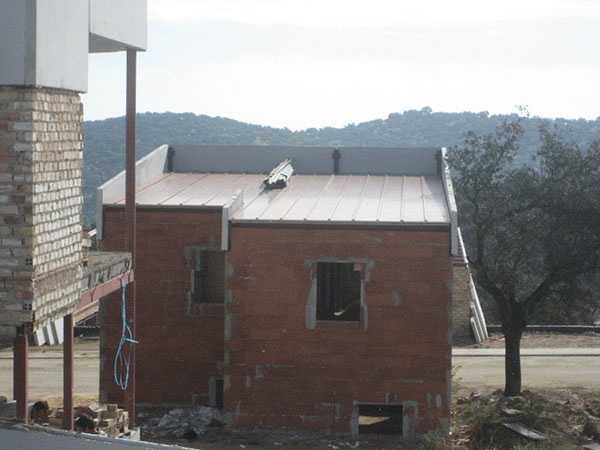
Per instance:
x=104, y=140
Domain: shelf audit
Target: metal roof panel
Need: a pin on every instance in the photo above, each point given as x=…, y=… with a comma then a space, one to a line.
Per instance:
x=368, y=207
x=161, y=189
x=330, y=196
x=384, y=199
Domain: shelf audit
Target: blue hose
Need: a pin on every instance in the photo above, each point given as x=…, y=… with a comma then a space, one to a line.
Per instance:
x=122, y=362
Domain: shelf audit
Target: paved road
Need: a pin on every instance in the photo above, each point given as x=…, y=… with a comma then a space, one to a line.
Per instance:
x=541, y=368
x=475, y=369
x=46, y=373
x=20, y=437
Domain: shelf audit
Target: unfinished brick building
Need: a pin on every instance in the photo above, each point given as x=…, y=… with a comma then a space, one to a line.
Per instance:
x=298, y=288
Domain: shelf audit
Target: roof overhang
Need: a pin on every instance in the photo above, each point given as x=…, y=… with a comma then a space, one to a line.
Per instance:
x=116, y=25
x=50, y=40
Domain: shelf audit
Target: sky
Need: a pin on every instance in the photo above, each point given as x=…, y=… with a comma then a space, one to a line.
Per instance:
x=317, y=63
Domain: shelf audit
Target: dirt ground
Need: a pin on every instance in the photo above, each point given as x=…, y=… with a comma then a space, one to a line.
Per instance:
x=542, y=340
x=216, y=439
x=561, y=414
x=567, y=419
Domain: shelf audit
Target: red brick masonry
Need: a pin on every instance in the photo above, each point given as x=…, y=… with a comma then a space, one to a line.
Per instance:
x=180, y=347
x=281, y=367
x=281, y=374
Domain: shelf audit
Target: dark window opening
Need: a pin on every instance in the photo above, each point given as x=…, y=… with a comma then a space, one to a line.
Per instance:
x=380, y=419
x=338, y=291
x=209, y=276
x=219, y=393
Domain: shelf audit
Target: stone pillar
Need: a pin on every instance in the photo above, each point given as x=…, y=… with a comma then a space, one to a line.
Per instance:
x=461, y=304
x=41, y=170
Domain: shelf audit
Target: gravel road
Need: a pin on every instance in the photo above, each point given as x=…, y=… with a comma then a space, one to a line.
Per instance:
x=471, y=372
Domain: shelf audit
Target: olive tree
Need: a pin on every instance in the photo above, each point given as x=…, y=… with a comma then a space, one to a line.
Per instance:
x=534, y=230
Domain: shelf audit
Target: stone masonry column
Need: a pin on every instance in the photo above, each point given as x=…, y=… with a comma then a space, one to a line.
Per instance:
x=461, y=304
x=41, y=173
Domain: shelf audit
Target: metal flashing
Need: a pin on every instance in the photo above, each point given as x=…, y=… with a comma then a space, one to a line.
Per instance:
x=450, y=201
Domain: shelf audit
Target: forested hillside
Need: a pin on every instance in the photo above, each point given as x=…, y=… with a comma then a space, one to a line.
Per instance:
x=104, y=154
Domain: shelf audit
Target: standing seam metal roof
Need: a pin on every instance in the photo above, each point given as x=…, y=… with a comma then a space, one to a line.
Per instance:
x=384, y=199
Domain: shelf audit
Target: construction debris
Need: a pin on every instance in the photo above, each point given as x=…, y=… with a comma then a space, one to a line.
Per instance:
x=183, y=423
x=110, y=419
x=527, y=432
x=591, y=428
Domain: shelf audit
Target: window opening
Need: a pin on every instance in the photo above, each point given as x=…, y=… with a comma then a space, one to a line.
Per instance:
x=219, y=393
x=338, y=291
x=380, y=419
x=215, y=393
x=209, y=276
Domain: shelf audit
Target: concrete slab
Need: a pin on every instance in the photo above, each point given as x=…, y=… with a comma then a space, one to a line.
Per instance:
x=23, y=437
x=102, y=266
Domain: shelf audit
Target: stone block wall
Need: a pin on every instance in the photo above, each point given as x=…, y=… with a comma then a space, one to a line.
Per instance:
x=41, y=175
x=285, y=369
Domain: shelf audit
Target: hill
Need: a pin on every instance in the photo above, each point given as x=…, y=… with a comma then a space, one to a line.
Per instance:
x=104, y=146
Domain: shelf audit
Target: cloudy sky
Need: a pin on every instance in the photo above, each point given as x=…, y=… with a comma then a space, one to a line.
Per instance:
x=317, y=63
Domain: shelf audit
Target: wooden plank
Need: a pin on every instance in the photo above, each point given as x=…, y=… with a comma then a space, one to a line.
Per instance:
x=527, y=432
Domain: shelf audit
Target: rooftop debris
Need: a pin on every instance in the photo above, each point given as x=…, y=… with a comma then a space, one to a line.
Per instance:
x=280, y=175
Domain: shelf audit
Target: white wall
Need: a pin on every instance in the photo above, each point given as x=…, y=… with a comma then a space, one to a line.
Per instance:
x=46, y=42
x=62, y=44
x=13, y=40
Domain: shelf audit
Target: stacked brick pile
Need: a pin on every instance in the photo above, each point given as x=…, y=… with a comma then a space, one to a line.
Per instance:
x=41, y=151
x=109, y=418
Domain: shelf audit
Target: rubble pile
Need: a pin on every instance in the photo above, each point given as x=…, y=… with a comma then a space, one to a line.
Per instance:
x=182, y=422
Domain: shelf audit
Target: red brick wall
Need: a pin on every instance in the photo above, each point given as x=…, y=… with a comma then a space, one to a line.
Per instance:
x=180, y=347
x=281, y=374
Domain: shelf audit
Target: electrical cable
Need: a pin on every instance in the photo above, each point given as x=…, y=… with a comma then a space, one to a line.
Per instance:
x=121, y=369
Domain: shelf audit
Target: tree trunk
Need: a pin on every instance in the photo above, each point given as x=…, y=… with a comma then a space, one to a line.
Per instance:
x=512, y=365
